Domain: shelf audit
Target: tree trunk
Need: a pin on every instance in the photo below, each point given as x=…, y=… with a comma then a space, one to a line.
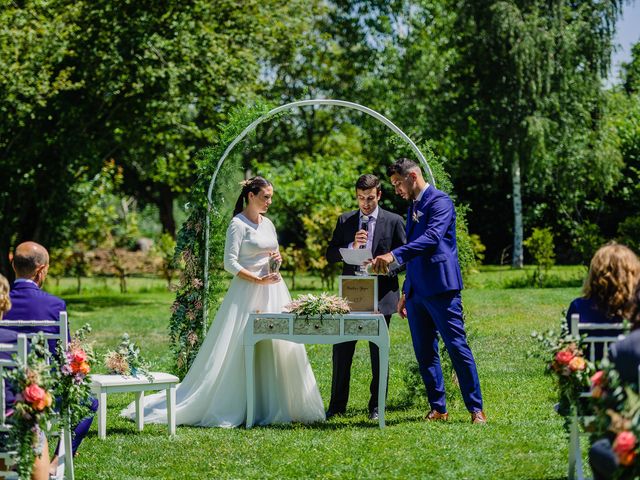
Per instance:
x=165, y=205
x=518, y=258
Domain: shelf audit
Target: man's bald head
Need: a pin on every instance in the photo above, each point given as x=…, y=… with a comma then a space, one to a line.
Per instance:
x=29, y=259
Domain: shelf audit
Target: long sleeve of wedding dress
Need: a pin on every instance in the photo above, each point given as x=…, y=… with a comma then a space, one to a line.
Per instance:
x=213, y=393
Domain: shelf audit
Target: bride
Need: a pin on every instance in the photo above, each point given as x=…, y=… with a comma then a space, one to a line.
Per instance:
x=213, y=393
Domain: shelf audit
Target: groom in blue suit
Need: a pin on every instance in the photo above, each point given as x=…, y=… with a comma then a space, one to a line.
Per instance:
x=431, y=292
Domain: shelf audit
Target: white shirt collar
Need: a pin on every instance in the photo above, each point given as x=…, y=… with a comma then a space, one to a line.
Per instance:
x=421, y=194
x=25, y=280
x=373, y=215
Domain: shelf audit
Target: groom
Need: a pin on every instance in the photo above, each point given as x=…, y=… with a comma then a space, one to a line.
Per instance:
x=384, y=231
x=431, y=292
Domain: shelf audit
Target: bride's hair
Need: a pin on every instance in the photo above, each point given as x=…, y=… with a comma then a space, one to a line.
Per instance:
x=253, y=185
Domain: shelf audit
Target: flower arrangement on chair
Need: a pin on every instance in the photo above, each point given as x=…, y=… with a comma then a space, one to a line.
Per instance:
x=73, y=386
x=566, y=362
x=310, y=305
x=33, y=410
x=617, y=416
x=126, y=360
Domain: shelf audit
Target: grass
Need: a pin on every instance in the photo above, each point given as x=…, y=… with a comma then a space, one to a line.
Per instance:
x=524, y=438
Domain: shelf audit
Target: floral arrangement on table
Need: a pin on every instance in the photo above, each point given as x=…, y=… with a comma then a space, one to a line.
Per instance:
x=33, y=410
x=617, y=416
x=309, y=305
x=73, y=386
x=565, y=361
x=126, y=360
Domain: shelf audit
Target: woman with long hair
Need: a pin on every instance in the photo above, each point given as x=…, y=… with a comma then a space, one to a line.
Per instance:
x=213, y=393
x=608, y=290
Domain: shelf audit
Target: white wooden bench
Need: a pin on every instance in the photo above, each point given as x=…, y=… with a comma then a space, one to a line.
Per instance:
x=103, y=384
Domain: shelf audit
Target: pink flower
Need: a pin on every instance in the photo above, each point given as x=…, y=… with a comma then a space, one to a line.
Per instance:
x=624, y=447
x=563, y=357
x=79, y=355
x=597, y=379
x=33, y=393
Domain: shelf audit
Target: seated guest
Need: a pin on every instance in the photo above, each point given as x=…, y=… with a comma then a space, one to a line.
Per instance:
x=30, y=302
x=41, y=463
x=625, y=356
x=608, y=290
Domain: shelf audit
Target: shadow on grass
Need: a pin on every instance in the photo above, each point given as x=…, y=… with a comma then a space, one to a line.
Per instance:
x=92, y=303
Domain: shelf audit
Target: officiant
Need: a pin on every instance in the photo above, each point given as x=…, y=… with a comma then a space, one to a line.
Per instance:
x=370, y=226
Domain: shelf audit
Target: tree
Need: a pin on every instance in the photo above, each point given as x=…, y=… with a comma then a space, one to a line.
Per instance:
x=531, y=79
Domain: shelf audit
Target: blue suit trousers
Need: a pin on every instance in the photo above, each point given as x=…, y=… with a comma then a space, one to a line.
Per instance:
x=442, y=314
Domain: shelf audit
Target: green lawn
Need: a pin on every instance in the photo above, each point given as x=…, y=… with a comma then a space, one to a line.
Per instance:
x=524, y=438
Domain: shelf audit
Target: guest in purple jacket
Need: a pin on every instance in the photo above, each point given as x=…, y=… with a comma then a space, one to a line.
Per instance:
x=608, y=290
x=30, y=302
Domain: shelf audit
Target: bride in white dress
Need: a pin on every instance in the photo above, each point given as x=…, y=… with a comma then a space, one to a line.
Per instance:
x=213, y=393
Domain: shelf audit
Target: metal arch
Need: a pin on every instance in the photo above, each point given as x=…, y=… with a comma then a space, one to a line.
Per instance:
x=302, y=103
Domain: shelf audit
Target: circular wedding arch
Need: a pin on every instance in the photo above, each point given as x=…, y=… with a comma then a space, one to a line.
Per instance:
x=271, y=113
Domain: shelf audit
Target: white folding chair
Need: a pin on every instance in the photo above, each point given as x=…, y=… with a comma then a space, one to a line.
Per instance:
x=593, y=340
x=20, y=349
x=65, y=452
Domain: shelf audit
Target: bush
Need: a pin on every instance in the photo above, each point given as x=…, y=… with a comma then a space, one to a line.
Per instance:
x=541, y=247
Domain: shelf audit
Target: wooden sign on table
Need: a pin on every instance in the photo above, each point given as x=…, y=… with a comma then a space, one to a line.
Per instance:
x=360, y=291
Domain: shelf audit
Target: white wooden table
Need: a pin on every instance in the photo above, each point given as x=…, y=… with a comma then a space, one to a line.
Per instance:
x=101, y=385
x=330, y=330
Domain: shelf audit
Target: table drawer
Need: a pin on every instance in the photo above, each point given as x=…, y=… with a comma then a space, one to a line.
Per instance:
x=368, y=327
x=266, y=326
x=316, y=326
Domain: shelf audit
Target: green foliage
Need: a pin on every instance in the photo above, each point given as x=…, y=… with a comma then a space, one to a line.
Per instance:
x=586, y=240
x=188, y=322
x=629, y=232
x=126, y=360
x=34, y=412
x=478, y=247
x=631, y=71
x=166, y=248
x=319, y=228
x=541, y=247
x=294, y=260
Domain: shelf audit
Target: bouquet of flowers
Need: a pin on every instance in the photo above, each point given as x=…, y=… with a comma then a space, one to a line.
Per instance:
x=126, y=360
x=318, y=305
x=73, y=387
x=617, y=416
x=565, y=361
x=33, y=407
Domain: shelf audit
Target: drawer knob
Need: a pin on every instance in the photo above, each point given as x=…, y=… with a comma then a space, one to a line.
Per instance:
x=270, y=325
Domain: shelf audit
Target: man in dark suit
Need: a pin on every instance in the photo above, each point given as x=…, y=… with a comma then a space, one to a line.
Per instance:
x=431, y=293
x=30, y=302
x=385, y=231
x=625, y=355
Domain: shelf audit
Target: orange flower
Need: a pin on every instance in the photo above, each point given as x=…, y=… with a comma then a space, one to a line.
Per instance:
x=577, y=363
x=563, y=357
x=80, y=367
x=624, y=446
x=79, y=355
x=43, y=403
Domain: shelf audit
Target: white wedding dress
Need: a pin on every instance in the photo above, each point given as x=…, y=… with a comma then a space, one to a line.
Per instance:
x=213, y=393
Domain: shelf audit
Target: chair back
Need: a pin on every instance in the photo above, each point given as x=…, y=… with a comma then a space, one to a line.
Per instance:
x=18, y=349
x=62, y=325
x=592, y=339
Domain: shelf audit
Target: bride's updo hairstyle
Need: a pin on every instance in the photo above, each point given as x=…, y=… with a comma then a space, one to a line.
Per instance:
x=253, y=185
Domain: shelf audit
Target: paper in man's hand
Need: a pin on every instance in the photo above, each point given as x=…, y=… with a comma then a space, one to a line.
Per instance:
x=357, y=256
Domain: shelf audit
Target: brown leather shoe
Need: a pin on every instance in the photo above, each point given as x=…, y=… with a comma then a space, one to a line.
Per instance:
x=478, y=417
x=435, y=415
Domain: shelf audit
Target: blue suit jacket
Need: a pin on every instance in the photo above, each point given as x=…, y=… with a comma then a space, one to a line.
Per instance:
x=431, y=252
x=28, y=302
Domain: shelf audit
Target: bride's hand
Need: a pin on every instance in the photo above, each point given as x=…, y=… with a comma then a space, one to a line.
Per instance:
x=276, y=255
x=269, y=279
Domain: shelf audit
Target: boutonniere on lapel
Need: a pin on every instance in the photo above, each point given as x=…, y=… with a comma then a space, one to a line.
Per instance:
x=416, y=216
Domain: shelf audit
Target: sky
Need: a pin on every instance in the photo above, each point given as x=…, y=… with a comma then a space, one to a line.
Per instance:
x=627, y=34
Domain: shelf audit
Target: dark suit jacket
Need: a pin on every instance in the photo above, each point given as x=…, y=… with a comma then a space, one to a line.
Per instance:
x=625, y=354
x=431, y=252
x=29, y=302
x=389, y=234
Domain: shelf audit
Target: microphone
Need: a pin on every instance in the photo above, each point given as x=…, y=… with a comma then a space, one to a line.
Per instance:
x=365, y=227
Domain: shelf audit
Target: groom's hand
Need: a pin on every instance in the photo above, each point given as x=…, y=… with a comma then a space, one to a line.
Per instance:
x=402, y=309
x=381, y=263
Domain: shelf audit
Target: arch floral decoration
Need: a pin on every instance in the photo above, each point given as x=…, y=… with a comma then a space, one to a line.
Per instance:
x=200, y=242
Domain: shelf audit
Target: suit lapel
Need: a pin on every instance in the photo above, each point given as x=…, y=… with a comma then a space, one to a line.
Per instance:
x=419, y=208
